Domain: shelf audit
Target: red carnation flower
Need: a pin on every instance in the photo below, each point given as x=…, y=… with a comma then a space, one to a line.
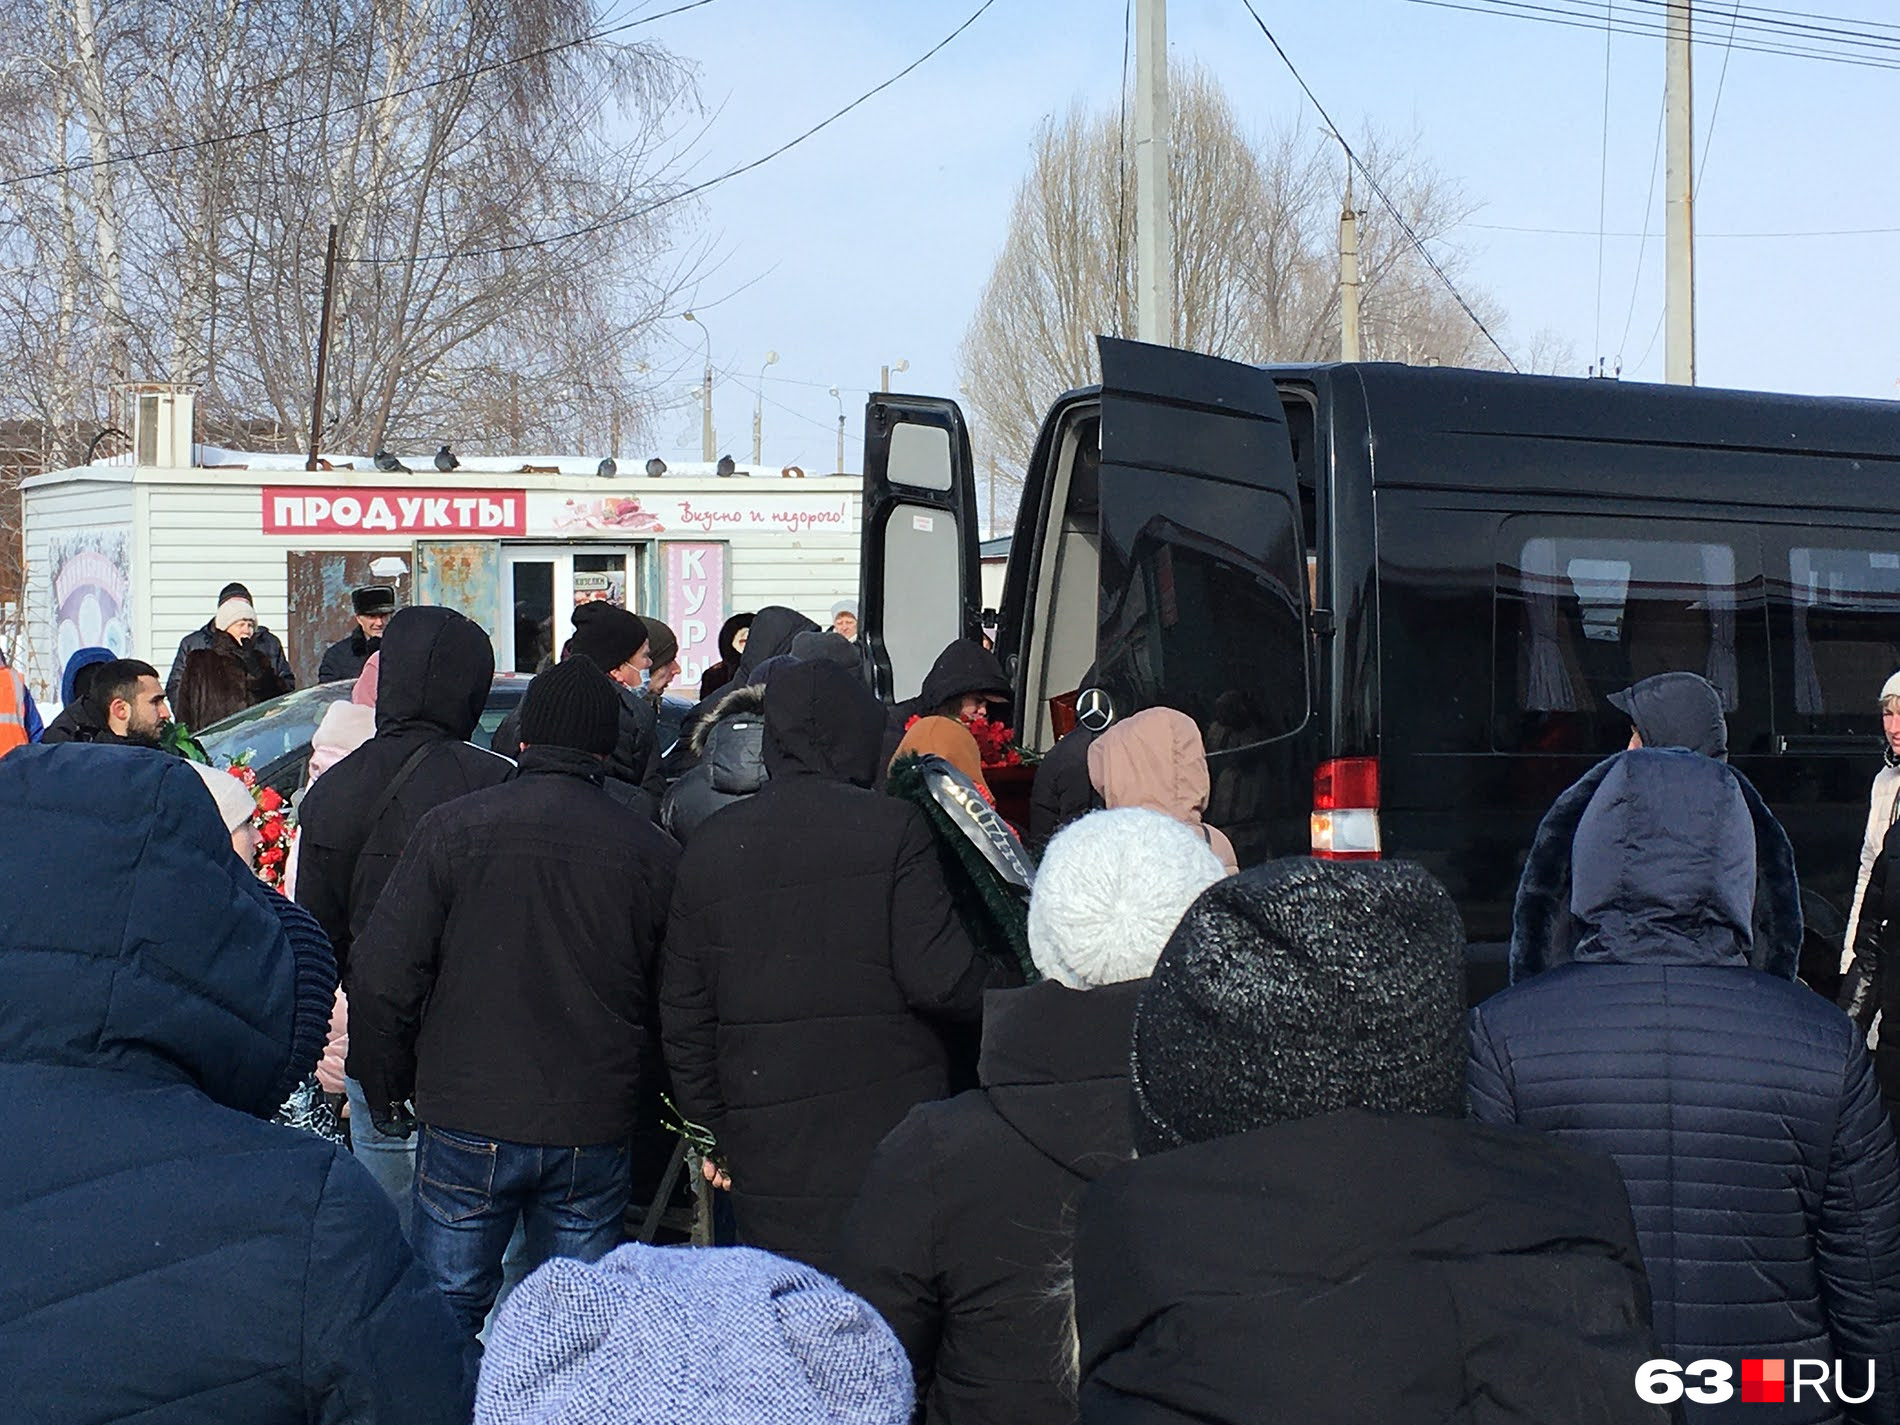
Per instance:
x=269, y=799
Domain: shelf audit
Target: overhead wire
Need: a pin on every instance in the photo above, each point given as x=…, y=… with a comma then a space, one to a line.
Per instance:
x=1121, y=164
x=648, y=208
x=1603, y=185
x=273, y=126
x=1378, y=189
x=1649, y=27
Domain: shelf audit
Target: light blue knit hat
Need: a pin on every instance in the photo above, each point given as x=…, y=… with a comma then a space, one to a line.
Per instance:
x=712, y=1335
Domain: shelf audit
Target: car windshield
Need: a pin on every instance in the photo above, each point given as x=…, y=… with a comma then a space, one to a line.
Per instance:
x=271, y=729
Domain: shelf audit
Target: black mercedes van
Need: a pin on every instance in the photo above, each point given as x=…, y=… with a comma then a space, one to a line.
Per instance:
x=1397, y=598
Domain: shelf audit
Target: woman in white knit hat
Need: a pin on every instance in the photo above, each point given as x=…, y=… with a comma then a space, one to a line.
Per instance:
x=965, y=1214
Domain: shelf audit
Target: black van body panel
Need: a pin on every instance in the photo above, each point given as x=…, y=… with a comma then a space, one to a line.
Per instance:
x=1492, y=554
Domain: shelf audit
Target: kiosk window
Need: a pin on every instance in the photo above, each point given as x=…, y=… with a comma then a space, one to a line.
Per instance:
x=1580, y=618
x=1846, y=606
x=1201, y=606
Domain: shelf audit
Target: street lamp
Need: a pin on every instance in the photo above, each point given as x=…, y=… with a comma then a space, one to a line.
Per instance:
x=758, y=408
x=706, y=441
x=840, y=401
x=884, y=376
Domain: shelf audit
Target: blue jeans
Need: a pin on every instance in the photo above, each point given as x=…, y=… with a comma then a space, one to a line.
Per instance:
x=391, y=1161
x=471, y=1191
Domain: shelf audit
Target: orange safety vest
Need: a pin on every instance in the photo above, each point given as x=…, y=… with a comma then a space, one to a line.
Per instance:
x=12, y=711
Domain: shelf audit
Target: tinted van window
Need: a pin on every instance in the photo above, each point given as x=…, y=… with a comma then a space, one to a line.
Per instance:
x=1845, y=640
x=1200, y=603
x=1583, y=612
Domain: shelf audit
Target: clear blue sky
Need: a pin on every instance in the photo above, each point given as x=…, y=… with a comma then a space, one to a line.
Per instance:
x=871, y=242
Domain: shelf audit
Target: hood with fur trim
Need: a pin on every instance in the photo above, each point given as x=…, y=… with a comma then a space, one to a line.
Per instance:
x=1646, y=859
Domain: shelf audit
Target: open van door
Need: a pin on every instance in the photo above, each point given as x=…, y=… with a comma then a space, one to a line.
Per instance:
x=1202, y=579
x=919, y=569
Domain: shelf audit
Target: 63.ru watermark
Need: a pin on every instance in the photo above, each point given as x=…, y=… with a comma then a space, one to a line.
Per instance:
x=1762, y=1382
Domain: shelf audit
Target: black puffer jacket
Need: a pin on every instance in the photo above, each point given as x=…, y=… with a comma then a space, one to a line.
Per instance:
x=505, y=978
x=1656, y=1020
x=773, y=629
x=1356, y=1268
x=961, y=1234
x=731, y=763
x=811, y=935
x=436, y=670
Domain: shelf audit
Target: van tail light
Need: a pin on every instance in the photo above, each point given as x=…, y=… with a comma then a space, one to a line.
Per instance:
x=1346, y=810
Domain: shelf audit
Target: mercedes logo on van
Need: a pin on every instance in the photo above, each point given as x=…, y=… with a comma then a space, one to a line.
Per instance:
x=1094, y=709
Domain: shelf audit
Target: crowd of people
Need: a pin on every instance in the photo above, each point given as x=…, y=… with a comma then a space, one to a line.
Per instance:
x=1031, y=1114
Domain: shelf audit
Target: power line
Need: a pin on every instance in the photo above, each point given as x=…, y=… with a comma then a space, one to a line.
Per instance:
x=1715, y=111
x=279, y=125
x=1727, y=237
x=1379, y=189
x=1603, y=183
x=1121, y=164
x=1639, y=26
x=645, y=209
x=1649, y=207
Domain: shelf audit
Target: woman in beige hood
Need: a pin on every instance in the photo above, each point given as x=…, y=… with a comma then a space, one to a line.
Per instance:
x=1155, y=760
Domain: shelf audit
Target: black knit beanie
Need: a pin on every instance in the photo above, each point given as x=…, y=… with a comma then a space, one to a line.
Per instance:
x=662, y=643
x=1297, y=989
x=572, y=705
x=606, y=635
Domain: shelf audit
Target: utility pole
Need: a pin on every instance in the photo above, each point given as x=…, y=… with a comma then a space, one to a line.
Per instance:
x=1154, y=230
x=323, y=350
x=1348, y=275
x=707, y=441
x=758, y=412
x=1679, y=278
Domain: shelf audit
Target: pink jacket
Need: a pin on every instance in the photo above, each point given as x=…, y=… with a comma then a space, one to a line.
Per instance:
x=1155, y=760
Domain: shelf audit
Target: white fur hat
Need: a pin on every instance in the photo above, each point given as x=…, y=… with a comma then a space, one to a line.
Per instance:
x=235, y=802
x=1110, y=891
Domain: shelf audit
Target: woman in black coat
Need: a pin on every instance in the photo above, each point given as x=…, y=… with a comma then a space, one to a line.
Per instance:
x=1313, y=1231
x=226, y=676
x=960, y=1236
x=810, y=948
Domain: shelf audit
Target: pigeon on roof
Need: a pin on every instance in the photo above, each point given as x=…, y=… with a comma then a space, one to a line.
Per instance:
x=445, y=459
x=389, y=463
x=607, y=468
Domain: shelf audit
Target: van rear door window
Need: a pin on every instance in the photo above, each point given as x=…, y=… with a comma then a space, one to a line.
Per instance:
x=1845, y=605
x=1583, y=614
x=1200, y=603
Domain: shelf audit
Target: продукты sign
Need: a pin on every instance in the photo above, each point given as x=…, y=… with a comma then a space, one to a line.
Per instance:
x=352, y=510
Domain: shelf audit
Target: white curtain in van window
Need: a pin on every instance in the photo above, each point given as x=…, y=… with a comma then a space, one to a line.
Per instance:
x=1548, y=686
x=1809, y=701
x=1718, y=578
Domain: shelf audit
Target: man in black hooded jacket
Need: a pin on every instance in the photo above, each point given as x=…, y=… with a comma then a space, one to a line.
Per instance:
x=437, y=667
x=774, y=628
x=811, y=939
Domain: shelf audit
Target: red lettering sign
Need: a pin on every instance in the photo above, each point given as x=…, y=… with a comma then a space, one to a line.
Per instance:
x=350, y=509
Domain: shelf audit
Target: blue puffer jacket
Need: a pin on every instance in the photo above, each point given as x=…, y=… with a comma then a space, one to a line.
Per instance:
x=1739, y=1105
x=169, y=1256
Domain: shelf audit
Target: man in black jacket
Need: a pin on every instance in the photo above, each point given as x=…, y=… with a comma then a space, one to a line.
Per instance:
x=614, y=641
x=372, y=606
x=772, y=631
x=811, y=939
x=266, y=644
x=1313, y=1231
x=964, y=1219
x=123, y=705
x=435, y=675
x=503, y=983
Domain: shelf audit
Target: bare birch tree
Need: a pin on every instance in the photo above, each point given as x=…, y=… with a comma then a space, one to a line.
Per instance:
x=1256, y=224
x=168, y=174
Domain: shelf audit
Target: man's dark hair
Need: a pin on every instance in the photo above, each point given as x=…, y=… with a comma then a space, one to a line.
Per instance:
x=117, y=679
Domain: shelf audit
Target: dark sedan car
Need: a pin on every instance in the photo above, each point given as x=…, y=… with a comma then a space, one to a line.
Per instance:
x=277, y=733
